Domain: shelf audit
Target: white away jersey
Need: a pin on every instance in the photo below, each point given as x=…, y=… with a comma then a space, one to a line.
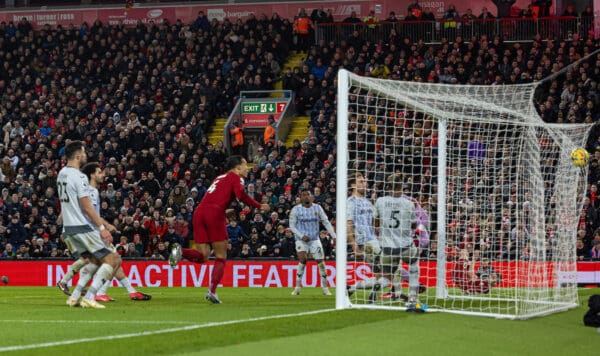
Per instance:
x=95, y=200
x=305, y=221
x=396, y=215
x=360, y=211
x=72, y=185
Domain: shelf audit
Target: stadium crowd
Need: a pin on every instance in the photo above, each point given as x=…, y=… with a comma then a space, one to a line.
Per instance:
x=144, y=98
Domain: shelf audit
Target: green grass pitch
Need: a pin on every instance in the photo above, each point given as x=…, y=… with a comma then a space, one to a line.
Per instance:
x=177, y=321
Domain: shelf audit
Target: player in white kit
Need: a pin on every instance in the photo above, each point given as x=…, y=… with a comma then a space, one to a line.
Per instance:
x=304, y=222
x=361, y=235
x=95, y=175
x=80, y=237
x=396, y=218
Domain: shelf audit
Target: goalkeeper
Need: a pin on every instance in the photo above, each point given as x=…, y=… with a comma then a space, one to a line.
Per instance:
x=361, y=235
x=465, y=278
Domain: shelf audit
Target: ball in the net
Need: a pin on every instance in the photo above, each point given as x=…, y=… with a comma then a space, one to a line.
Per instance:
x=580, y=157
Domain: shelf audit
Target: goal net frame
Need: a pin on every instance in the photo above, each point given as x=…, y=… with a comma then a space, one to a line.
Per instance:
x=441, y=298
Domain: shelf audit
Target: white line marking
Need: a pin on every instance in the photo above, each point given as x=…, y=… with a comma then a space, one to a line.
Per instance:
x=156, y=332
x=100, y=321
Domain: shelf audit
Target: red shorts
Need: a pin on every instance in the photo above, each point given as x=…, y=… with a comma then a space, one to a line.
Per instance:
x=475, y=287
x=209, y=225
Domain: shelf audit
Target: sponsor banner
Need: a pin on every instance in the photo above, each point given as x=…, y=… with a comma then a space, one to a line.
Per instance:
x=258, y=120
x=50, y=17
x=132, y=16
x=272, y=274
x=187, y=14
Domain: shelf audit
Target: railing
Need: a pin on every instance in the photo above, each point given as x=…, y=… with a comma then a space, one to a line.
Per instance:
x=509, y=29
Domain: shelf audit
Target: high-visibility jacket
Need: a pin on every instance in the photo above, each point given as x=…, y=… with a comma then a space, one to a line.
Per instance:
x=237, y=138
x=269, y=135
x=302, y=25
x=371, y=21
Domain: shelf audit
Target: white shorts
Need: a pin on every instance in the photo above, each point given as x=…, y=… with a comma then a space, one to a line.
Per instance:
x=312, y=247
x=371, y=247
x=87, y=244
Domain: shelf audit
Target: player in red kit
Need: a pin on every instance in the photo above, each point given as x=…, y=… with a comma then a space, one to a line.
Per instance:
x=465, y=278
x=209, y=221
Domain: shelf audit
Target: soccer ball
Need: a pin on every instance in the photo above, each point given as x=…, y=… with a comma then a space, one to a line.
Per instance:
x=580, y=157
x=4, y=279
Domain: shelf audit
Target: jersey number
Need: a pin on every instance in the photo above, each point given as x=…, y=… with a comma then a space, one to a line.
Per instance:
x=395, y=218
x=62, y=192
x=213, y=186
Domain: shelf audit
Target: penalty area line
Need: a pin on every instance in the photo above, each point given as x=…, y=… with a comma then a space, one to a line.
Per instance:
x=157, y=332
x=58, y=321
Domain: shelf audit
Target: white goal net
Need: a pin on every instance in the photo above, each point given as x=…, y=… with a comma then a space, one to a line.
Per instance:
x=495, y=195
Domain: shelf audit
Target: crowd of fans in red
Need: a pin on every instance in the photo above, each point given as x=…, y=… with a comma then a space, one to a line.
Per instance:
x=144, y=98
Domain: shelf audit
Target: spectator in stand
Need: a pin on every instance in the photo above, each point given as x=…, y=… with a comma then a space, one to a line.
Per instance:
x=237, y=237
x=450, y=24
x=541, y=8
x=352, y=19
x=182, y=227
x=570, y=11
x=15, y=231
x=467, y=22
x=270, y=134
x=303, y=30
x=414, y=9
x=570, y=25
x=8, y=253
x=392, y=17
x=580, y=250
x=503, y=7
x=318, y=16
x=485, y=25
x=371, y=21
x=201, y=23
x=595, y=251
x=587, y=22
x=171, y=236
x=155, y=225
x=161, y=252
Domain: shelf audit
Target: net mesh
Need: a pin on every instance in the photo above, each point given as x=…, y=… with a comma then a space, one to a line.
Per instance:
x=499, y=238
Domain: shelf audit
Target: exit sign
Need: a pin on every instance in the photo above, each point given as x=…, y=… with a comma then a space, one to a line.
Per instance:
x=263, y=108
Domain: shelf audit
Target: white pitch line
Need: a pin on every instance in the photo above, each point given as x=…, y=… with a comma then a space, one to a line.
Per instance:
x=99, y=321
x=156, y=332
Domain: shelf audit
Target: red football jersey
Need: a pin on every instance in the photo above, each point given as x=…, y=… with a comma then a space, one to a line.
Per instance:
x=224, y=189
x=461, y=274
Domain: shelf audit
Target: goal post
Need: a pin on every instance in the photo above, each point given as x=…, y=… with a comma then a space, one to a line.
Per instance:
x=496, y=196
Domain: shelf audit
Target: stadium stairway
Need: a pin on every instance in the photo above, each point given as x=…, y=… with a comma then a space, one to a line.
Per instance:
x=294, y=60
x=300, y=126
x=217, y=131
x=298, y=131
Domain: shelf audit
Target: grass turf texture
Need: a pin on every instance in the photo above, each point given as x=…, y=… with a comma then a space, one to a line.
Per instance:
x=39, y=315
